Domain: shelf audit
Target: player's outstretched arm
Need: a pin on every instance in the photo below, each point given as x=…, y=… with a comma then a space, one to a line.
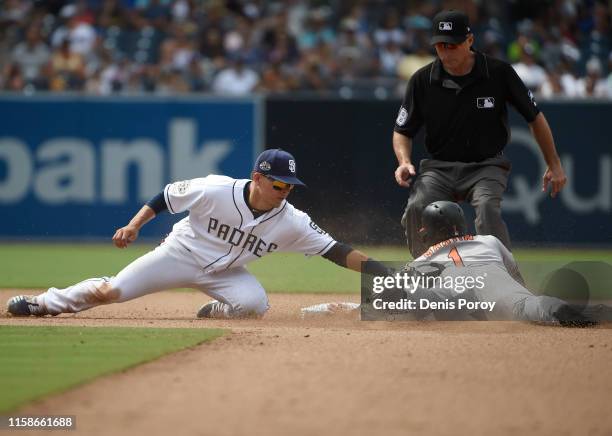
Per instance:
x=128, y=234
x=360, y=262
x=347, y=257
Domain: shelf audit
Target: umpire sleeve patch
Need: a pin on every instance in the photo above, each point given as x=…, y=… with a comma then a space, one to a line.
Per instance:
x=531, y=98
x=402, y=117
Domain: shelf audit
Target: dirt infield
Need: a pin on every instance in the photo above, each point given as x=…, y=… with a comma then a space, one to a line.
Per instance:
x=337, y=375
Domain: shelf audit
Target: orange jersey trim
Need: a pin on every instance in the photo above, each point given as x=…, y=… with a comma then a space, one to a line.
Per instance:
x=432, y=250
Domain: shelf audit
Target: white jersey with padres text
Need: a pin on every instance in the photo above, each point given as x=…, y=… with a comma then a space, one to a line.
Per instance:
x=221, y=232
x=206, y=250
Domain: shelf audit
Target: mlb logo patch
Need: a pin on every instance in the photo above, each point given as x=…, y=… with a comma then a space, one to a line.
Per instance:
x=445, y=25
x=485, y=102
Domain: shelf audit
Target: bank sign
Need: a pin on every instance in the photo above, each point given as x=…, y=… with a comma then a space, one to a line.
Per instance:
x=78, y=167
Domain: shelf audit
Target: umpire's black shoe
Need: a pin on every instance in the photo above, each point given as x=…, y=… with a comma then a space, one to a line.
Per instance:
x=25, y=305
x=570, y=317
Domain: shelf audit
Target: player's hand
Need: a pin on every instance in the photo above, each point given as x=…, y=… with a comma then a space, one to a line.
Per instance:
x=555, y=178
x=124, y=236
x=403, y=174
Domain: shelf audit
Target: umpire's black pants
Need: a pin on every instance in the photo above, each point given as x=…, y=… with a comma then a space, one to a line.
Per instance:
x=480, y=183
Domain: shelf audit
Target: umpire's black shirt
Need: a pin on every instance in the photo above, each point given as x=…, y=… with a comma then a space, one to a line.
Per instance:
x=465, y=117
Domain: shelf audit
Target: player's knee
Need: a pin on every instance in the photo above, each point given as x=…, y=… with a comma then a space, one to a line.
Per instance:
x=251, y=308
x=105, y=292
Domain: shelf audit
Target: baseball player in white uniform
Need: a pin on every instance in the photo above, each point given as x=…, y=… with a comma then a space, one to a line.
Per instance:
x=444, y=231
x=230, y=223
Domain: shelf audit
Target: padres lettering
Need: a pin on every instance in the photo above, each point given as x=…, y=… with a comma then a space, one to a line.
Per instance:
x=239, y=238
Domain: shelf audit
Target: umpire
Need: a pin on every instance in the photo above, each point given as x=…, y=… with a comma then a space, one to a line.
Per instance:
x=461, y=99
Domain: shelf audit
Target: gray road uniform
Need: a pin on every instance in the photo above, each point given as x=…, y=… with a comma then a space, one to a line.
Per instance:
x=488, y=258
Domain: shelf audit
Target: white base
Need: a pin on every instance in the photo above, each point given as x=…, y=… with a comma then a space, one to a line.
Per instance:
x=325, y=309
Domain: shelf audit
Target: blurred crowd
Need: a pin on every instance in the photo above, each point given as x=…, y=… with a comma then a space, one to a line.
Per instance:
x=560, y=48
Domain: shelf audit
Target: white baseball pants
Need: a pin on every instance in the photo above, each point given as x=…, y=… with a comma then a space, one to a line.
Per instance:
x=166, y=267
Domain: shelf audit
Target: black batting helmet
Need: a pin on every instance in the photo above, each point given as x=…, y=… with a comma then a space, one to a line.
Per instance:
x=442, y=220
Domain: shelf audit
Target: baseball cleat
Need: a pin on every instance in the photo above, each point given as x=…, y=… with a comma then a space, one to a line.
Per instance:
x=599, y=313
x=213, y=309
x=25, y=305
x=570, y=317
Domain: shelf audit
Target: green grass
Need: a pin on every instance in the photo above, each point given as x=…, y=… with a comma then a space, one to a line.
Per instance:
x=60, y=265
x=37, y=361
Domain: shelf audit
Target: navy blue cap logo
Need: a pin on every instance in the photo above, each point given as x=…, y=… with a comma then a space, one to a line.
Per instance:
x=279, y=165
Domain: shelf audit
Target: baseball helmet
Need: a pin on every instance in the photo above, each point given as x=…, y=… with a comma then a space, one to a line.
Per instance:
x=442, y=220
